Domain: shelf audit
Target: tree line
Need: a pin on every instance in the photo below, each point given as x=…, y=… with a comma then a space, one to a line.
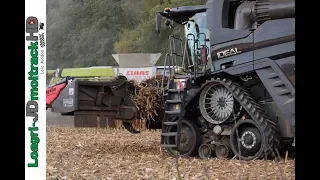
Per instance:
x=82, y=33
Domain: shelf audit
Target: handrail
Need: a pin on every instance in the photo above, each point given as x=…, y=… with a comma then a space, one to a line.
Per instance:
x=173, y=50
x=171, y=57
x=201, y=46
x=164, y=73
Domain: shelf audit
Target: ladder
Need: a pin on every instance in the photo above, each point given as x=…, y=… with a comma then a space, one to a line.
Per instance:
x=175, y=94
x=177, y=86
x=174, y=113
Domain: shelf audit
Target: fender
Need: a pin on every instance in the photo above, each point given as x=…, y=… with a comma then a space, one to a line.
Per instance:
x=53, y=92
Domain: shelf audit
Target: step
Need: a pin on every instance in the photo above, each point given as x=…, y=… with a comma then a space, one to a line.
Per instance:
x=175, y=90
x=173, y=101
x=283, y=92
x=172, y=112
x=181, y=76
x=168, y=145
x=277, y=83
x=272, y=75
x=169, y=134
x=170, y=123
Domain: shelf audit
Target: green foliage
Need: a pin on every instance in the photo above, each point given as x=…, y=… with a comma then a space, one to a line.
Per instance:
x=83, y=33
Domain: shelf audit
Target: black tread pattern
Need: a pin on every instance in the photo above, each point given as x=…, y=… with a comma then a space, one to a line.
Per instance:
x=257, y=113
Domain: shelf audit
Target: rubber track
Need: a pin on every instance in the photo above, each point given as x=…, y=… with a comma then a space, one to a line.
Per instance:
x=256, y=112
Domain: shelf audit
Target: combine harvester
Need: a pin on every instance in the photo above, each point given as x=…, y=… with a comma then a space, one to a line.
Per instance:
x=88, y=93
x=236, y=94
x=238, y=91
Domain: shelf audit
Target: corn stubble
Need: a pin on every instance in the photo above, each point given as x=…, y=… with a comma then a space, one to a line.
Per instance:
x=110, y=154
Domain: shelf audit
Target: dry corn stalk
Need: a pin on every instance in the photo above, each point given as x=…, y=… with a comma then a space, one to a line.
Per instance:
x=148, y=100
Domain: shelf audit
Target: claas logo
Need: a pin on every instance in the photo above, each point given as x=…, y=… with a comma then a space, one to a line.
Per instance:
x=138, y=73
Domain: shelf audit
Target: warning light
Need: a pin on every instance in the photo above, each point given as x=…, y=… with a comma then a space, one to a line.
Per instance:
x=31, y=22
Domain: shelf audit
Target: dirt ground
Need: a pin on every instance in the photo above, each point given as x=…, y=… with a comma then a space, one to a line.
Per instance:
x=98, y=154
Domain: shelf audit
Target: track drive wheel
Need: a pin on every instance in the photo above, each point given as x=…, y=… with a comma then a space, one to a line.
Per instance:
x=216, y=103
x=247, y=140
x=190, y=140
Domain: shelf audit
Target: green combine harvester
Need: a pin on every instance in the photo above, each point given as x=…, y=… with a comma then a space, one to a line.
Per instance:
x=96, y=96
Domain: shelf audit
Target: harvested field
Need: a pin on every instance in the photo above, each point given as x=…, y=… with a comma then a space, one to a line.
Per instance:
x=112, y=154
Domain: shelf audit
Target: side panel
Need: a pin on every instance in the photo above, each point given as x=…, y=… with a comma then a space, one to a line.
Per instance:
x=286, y=130
x=274, y=55
x=240, y=69
x=274, y=38
x=287, y=65
x=279, y=86
x=66, y=101
x=234, y=53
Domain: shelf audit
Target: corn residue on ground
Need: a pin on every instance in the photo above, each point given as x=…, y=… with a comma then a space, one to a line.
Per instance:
x=98, y=154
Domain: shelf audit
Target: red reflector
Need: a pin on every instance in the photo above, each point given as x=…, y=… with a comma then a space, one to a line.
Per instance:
x=204, y=55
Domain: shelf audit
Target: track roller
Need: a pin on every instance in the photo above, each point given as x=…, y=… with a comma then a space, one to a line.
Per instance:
x=223, y=151
x=207, y=151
